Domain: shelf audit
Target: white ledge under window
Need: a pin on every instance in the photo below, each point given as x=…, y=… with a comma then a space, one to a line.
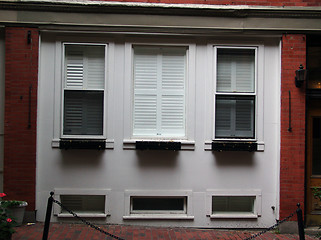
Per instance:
x=109, y=143
x=158, y=217
x=260, y=145
x=84, y=215
x=234, y=216
x=130, y=144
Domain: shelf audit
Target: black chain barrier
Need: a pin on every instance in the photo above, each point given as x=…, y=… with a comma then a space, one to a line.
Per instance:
x=51, y=200
x=48, y=215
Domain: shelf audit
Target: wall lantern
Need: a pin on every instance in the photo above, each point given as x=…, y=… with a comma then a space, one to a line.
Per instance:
x=300, y=76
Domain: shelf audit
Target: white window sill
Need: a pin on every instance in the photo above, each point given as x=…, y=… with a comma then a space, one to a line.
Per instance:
x=130, y=144
x=158, y=216
x=234, y=215
x=109, y=143
x=84, y=215
x=260, y=145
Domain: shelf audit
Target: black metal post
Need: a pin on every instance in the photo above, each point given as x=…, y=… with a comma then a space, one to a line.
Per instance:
x=300, y=222
x=48, y=216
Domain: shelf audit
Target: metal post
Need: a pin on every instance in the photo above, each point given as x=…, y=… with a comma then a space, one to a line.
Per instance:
x=300, y=222
x=48, y=216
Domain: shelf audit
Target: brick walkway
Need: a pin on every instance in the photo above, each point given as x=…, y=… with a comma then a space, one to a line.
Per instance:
x=83, y=232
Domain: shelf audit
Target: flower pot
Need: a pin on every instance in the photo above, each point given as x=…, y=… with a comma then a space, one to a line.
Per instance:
x=17, y=213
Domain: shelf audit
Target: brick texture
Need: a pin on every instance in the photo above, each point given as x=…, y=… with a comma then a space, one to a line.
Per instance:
x=21, y=73
x=292, y=142
x=233, y=2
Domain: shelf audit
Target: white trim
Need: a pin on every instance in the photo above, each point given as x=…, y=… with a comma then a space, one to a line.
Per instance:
x=162, y=193
x=234, y=192
x=83, y=191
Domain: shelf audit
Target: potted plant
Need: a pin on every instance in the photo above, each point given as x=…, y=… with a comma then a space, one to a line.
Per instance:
x=13, y=209
x=6, y=223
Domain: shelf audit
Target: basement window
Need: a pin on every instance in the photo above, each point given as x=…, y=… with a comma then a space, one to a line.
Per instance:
x=158, y=205
x=83, y=202
x=234, y=204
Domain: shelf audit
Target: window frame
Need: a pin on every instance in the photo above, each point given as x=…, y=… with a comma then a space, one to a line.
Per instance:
x=187, y=214
x=188, y=142
x=257, y=206
x=66, y=136
x=236, y=94
x=81, y=191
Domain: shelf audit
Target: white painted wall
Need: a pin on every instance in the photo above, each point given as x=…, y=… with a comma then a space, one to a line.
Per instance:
x=197, y=171
x=2, y=74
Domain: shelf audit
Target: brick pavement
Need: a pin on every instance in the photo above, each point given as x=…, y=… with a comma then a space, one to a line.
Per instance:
x=82, y=232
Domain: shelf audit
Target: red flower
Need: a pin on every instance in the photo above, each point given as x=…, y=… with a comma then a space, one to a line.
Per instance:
x=2, y=195
x=9, y=220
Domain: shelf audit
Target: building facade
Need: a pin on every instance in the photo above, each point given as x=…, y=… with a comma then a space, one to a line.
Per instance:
x=161, y=113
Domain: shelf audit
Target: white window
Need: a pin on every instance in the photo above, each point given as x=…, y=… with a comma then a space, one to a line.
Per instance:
x=235, y=96
x=84, y=77
x=144, y=204
x=83, y=202
x=159, y=76
x=234, y=203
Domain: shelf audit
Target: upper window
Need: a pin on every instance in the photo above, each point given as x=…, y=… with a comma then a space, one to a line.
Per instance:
x=159, y=75
x=235, y=93
x=84, y=89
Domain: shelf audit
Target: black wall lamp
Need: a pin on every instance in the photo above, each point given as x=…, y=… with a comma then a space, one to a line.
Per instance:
x=300, y=76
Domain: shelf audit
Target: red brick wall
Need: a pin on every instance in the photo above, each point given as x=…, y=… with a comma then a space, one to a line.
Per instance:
x=21, y=72
x=292, y=143
x=232, y=2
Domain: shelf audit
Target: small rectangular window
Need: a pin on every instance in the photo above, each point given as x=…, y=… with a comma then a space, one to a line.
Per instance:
x=233, y=204
x=93, y=204
x=158, y=205
x=235, y=93
x=84, y=90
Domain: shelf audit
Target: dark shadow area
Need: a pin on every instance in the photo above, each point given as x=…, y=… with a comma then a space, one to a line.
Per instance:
x=157, y=158
x=81, y=158
x=232, y=159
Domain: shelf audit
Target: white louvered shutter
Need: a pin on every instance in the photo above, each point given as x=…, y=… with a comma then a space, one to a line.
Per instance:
x=159, y=92
x=84, y=89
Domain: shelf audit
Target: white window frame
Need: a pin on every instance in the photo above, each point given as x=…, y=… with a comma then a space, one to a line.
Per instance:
x=108, y=129
x=259, y=93
x=188, y=142
x=187, y=214
x=257, y=208
x=58, y=192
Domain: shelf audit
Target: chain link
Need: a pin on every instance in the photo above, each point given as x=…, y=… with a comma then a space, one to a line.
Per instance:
x=86, y=222
x=119, y=238
x=272, y=227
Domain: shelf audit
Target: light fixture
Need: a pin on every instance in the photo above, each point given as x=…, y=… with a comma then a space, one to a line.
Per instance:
x=300, y=76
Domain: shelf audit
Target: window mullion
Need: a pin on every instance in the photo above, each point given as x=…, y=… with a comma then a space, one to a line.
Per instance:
x=159, y=95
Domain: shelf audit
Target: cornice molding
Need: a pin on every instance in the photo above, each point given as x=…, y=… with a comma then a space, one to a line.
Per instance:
x=237, y=11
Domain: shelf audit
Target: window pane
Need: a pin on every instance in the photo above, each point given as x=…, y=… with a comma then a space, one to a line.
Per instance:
x=84, y=203
x=83, y=112
x=234, y=117
x=236, y=204
x=235, y=70
x=84, y=66
x=158, y=203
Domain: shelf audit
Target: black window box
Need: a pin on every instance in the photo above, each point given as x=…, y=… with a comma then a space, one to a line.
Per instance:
x=155, y=145
x=81, y=144
x=234, y=146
